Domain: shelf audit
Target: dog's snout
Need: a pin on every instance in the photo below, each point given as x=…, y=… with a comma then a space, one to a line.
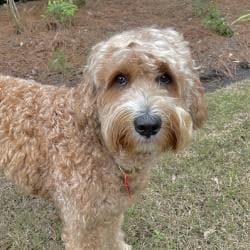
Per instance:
x=147, y=125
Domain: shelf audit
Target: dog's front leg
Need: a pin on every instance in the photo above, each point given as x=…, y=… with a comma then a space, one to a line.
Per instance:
x=79, y=234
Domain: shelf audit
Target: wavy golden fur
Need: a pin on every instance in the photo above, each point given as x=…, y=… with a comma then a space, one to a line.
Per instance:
x=74, y=146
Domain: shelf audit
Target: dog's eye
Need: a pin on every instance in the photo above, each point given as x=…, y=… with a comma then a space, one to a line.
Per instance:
x=164, y=79
x=121, y=80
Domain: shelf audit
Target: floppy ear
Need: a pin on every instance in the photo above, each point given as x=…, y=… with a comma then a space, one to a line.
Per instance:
x=198, y=106
x=85, y=103
x=86, y=91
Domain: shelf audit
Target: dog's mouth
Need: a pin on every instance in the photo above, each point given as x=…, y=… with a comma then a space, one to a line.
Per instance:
x=147, y=145
x=145, y=140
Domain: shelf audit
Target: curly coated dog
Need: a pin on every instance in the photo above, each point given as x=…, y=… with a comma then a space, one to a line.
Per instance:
x=89, y=148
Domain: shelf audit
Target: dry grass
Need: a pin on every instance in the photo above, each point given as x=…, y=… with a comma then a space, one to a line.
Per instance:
x=196, y=200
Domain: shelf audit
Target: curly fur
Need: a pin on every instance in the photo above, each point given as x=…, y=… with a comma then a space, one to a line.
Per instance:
x=73, y=146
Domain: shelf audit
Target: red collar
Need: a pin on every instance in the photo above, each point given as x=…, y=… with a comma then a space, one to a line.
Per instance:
x=125, y=178
x=126, y=185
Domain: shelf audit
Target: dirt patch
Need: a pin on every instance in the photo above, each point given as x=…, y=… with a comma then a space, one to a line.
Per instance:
x=29, y=54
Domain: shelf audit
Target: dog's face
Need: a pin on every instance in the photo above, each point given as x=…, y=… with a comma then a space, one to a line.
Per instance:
x=147, y=96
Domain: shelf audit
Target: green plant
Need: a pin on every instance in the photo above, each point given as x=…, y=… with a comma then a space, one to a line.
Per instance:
x=200, y=7
x=243, y=18
x=58, y=61
x=212, y=16
x=216, y=22
x=61, y=9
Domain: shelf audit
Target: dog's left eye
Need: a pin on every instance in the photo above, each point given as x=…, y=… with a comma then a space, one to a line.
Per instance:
x=164, y=79
x=121, y=80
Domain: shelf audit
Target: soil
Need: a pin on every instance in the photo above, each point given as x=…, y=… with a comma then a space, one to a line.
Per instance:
x=54, y=53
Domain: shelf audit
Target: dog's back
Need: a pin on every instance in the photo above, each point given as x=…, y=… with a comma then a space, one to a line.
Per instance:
x=30, y=124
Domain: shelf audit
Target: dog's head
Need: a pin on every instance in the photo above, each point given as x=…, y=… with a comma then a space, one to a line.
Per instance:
x=148, y=96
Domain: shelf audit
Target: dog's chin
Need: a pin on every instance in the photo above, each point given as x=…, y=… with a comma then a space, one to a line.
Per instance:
x=147, y=146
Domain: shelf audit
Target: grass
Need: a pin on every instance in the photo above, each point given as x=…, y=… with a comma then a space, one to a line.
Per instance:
x=200, y=199
x=26, y=223
x=197, y=200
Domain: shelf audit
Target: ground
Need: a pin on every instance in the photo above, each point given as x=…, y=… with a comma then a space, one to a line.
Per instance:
x=56, y=54
x=196, y=200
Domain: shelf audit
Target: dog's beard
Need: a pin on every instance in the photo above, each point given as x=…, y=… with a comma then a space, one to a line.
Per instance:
x=121, y=137
x=118, y=132
x=176, y=132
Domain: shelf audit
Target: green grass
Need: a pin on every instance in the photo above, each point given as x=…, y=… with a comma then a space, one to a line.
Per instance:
x=198, y=199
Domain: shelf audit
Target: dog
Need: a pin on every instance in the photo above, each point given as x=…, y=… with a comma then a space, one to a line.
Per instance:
x=89, y=148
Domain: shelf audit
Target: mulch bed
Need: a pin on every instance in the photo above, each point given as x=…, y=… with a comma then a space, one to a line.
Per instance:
x=29, y=54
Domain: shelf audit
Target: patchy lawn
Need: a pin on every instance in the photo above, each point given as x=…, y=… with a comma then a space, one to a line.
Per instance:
x=197, y=200
x=200, y=199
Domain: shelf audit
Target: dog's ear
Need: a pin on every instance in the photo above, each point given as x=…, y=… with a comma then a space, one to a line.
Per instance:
x=198, y=106
x=87, y=92
x=85, y=105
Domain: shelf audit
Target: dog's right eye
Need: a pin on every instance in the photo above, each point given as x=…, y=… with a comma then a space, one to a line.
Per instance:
x=120, y=80
x=164, y=79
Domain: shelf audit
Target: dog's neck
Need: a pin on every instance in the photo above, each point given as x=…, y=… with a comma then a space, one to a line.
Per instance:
x=134, y=176
x=133, y=162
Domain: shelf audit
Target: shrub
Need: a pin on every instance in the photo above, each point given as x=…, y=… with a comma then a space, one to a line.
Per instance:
x=213, y=18
x=61, y=9
x=216, y=22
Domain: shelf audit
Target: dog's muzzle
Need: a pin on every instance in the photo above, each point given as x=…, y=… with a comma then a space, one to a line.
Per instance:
x=147, y=125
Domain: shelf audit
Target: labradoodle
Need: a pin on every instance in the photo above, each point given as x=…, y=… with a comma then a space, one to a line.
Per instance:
x=89, y=148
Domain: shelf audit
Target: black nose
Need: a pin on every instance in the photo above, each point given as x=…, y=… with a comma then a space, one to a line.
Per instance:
x=147, y=125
